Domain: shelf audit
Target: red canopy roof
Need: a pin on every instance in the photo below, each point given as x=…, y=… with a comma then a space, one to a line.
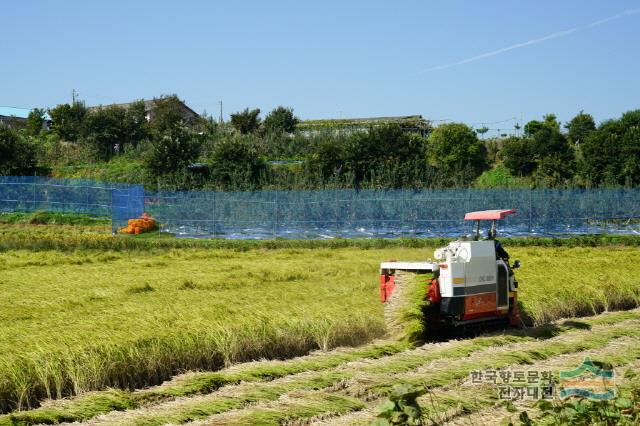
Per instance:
x=488, y=214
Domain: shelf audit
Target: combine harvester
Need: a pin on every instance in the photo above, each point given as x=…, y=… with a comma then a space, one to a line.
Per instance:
x=471, y=283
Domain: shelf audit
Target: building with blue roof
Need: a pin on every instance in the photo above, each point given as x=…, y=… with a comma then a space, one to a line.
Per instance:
x=12, y=116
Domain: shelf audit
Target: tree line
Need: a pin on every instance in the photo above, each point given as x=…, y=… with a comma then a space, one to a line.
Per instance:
x=168, y=152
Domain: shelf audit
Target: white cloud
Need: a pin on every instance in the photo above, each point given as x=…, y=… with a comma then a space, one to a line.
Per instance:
x=531, y=42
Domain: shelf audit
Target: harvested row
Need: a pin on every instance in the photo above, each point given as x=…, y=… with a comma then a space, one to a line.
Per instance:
x=467, y=403
x=372, y=386
x=615, y=355
x=355, y=380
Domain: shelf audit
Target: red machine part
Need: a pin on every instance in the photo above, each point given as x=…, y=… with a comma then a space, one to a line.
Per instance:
x=433, y=291
x=387, y=284
x=514, y=313
x=480, y=306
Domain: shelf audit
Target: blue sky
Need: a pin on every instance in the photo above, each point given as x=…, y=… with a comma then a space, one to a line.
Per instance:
x=329, y=58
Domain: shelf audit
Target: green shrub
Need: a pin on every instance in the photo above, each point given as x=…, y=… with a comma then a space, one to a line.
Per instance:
x=17, y=155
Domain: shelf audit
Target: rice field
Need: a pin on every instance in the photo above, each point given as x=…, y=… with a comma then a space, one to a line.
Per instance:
x=94, y=330
x=344, y=386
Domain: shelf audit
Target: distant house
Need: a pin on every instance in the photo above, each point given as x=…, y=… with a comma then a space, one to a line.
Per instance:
x=410, y=123
x=188, y=115
x=17, y=117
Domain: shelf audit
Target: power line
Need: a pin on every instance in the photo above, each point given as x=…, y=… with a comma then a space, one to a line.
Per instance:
x=484, y=123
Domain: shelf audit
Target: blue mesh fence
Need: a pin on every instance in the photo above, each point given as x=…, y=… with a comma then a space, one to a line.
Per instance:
x=388, y=214
x=127, y=203
x=330, y=213
x=33, y=193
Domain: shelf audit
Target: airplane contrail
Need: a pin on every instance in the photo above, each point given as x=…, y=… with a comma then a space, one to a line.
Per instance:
x=534, y=41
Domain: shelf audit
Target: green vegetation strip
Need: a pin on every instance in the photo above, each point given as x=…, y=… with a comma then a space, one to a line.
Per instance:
x=236, y=397
x=302, y=405
x=368, y=386
x=53, y=218
x=14, y=237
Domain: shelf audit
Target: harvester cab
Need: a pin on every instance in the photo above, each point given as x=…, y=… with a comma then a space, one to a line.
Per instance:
x=471, y=280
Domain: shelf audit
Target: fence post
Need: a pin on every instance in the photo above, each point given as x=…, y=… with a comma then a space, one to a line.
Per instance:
x=275, y=215
x=335, y=209
x=34, y=194
x=113, y=232
x=213, y=213
x=414, y=214
x=530, y=210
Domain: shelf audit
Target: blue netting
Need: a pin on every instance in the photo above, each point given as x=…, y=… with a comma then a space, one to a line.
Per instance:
x=33, y=193
x=370, y=213
x=127, y=203
x=330, y=213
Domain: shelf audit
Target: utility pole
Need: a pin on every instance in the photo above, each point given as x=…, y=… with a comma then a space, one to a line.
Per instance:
x=220, y=102
x=73, y=96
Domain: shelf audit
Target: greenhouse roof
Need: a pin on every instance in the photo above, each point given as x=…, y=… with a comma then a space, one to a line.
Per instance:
x=409, y=120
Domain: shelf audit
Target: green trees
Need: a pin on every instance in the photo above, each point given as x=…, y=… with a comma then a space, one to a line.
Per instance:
x=549, y=121
x=35, y=121
x=579, y=128
x=554, y=157
x=171, y=151
x=167, y=115
x=328, y=160
x=235, y=164
x=102, y=130
x=114, y=128
x=611, y=153
x=161, y=142
x=543, y=154
x=17, y=155
x=518, y=157
x=247, y=121
x=482, y=130
x=383, y=157
x=67, y=120
x=280, y=120
x=135, y=127
x=456, y=153
x=386, y=156
x=173, y=146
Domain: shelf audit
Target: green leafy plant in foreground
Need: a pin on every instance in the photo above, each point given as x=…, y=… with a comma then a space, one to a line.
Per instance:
x=401, y=408
x=622, y=410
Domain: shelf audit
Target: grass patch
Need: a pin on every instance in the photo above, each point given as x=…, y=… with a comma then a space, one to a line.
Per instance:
x=53, y=218
x=500, y=177
x=188, y=285
x=145, y=288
